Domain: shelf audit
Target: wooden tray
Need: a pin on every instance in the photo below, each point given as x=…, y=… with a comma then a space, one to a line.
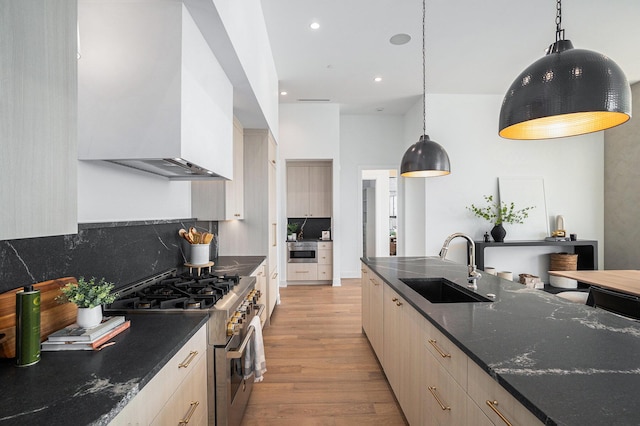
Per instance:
x=53, y=315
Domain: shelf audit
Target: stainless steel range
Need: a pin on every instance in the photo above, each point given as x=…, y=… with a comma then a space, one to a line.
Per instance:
x=231, y=304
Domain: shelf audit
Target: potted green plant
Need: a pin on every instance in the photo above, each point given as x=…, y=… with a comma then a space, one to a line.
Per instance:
x=292, y=229
x=499, y=213
x=89, y=296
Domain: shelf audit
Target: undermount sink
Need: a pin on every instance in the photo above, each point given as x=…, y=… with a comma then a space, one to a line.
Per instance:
x=441, y=290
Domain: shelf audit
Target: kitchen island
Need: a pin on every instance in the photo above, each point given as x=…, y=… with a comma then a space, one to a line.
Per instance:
x=568, y=364
x=92, y=387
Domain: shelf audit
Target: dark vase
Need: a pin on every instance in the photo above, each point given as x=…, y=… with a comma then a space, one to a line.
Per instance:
x=498, y=233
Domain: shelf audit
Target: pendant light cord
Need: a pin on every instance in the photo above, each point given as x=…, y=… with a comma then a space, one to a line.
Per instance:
x=559, y=30
x=424, y=72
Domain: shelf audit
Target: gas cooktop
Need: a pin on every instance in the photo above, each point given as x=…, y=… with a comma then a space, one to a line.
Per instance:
x=169, y=291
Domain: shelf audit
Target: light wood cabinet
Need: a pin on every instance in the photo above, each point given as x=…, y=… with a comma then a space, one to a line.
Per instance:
x=434, y=381
x=325, y=261
x=38, y=125
x=257, y=234
x=376, y=337
x=325, y=272
x=393, y=306
x=485, y=392
x=168, y=397
x=309, y=189
x=443, y=398
x=222, y=200
x=365, y=285
x=448, y=355
x=401, y=361
x=187, y=406
x=273, y=294
x=262, y=282
x=319, y=272
x=302, y=271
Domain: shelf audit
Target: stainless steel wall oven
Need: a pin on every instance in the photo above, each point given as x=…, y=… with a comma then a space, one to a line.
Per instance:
x=302, y=252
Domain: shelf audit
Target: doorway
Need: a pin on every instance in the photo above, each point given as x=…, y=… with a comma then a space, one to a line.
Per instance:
x=379, y=212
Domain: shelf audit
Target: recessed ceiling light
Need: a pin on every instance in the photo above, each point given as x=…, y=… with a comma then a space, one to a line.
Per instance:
x=377, y=79
x=399, y=39
x=283, y=93
x=314, y=26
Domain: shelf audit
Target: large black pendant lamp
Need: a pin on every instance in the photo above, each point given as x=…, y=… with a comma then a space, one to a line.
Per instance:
x=425, y=158
x=567, y=92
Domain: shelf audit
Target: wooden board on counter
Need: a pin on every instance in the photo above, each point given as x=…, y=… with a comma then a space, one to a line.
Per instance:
x=627, y=281
x=53, y=315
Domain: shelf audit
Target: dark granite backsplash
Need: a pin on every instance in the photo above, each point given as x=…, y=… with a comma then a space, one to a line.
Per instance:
x=312, y=227
x=121, y=252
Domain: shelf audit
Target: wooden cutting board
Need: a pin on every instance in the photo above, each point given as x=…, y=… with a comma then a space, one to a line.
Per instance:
x=53, y=315
x=626, y=281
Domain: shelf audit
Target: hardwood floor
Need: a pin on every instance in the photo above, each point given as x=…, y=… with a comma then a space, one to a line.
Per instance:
x=320, y=367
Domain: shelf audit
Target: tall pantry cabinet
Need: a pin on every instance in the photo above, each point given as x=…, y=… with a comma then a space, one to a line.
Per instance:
x=260, y=165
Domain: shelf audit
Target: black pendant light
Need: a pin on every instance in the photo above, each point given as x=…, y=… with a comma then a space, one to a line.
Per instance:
x=567, y=92
x=425, y=158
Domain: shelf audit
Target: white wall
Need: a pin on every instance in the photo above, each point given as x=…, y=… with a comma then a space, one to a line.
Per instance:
x=466, y=126
x=244, y=22
x=310, y=131
x=367, y=142
x=572, y=169
x=112, y=193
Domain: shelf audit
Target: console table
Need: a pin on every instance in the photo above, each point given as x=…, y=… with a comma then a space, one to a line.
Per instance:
x=587, y=250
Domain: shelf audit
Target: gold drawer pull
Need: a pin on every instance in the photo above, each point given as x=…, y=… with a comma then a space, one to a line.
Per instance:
x=188, y=359
x=442, y=353
x=494, y=406
x=395, y=299
x=398, y=303
x=192, y=409
x=432, y=389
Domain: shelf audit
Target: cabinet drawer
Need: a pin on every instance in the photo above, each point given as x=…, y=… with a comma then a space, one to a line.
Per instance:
x=325, y=272
x=483, y=388
x=443, y=398
x=189, y=402
x=325, y=245
x=302, y=271
x=325, y=257
x=446, y=353
x=146, y=405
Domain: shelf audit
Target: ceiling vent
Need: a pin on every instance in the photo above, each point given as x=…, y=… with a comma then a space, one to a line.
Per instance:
x=314, y=100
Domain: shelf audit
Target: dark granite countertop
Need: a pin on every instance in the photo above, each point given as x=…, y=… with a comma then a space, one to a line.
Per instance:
x=570, y=364
x=241, y=265
x=91, y=387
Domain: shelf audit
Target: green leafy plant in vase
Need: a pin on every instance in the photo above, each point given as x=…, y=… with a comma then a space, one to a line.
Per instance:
x=499, y=213
x=89, y=296
x=292, y=229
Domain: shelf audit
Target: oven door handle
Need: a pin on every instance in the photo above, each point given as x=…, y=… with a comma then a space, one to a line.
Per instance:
x=261, y=308
x=238, y=353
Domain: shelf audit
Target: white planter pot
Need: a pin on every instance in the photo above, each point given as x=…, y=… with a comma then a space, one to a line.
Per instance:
x=89, y=317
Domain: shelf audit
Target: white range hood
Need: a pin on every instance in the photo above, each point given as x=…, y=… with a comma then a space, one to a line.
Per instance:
x=151, y=93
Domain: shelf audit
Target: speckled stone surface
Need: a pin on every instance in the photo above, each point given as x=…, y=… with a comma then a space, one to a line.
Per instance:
x=241, y=265
x=91, y=387
x=121, y=252
x=570, y=364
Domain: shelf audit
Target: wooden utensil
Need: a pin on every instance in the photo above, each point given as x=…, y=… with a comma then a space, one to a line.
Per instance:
x=53, y=315
x=208, y=238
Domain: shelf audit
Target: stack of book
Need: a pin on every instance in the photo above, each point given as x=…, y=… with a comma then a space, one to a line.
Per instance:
x=74, y=338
